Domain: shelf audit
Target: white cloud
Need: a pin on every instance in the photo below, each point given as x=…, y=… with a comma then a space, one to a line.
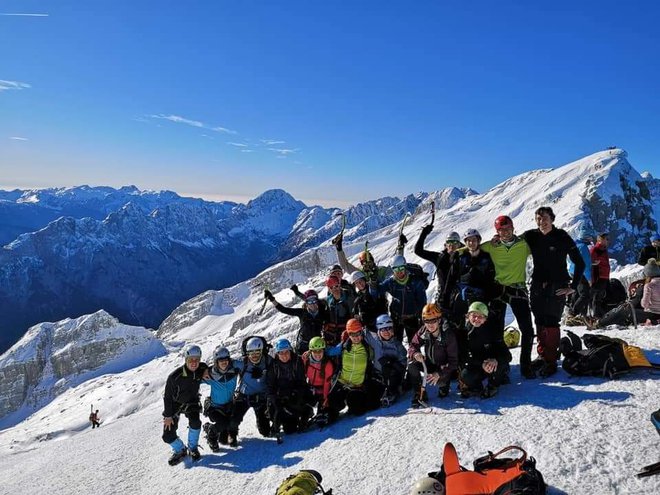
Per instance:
x=18, y=138
x=7, y=85
x=283, y=151
x=271, y=142
x=24, y=15
x=194, y=123
x=239, y=145
x=247, y=151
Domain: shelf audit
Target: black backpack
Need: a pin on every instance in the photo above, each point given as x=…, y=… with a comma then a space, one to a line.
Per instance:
x=615, y=294
x=417, y=272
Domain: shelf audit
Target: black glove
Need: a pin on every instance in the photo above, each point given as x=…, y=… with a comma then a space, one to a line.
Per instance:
x=426, y=230
x=337, y=241
x=269, y=295
x=403, y=239
x=257, y=373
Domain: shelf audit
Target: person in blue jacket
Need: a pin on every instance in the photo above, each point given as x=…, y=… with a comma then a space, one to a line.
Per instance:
x=222, y=377
x=251, y=392
x=408, y=299
x=580, y=301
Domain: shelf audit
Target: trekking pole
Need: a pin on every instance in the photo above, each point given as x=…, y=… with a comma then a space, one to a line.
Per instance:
x=263, y=306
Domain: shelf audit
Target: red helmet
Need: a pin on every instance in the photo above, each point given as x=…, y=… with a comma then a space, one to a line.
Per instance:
x=502, y=222
x=331, y=281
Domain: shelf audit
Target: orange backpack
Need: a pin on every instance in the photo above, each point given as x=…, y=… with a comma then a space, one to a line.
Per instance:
x=492, y=475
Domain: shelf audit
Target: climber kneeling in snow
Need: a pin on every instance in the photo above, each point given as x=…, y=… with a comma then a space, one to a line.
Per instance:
x=488, y=355
x=182, y=397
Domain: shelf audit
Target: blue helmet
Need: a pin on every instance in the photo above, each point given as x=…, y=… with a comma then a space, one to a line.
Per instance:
x=283, y=345
x=220, y=353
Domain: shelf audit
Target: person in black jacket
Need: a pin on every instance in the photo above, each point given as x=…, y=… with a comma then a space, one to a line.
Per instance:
x=439, y=259
x=313, y=315
x=551, y=284
x=471, y=278
x=181, y=396
x=365, y=306
x=488, y=356
x=652, y=251
x=289, y=398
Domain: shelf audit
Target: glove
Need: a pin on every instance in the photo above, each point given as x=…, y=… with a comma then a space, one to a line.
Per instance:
x=337, y=241
x=426, y=230
x=269, y=295
x=403, y=239
x=294, y=288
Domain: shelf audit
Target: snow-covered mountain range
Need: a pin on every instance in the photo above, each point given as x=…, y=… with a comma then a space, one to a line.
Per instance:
x=588, y=435
x=139, y=254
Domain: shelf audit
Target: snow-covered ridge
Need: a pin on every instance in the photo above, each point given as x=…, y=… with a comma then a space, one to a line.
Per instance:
x=54, y=357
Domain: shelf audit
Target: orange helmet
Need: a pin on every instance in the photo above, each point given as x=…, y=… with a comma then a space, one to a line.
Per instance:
x=431, y=311
x=353, y=326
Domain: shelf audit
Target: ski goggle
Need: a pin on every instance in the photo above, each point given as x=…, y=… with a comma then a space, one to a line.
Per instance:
x=312, y=300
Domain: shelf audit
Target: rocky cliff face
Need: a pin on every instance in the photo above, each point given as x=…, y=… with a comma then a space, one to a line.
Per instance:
x=52, y=357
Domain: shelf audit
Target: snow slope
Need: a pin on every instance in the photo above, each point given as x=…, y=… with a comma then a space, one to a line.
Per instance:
x=587, y=434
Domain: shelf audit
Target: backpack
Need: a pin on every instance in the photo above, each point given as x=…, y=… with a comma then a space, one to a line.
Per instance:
x=416, y=272
x=304, y=482
x=604, y=356
x=635, y=287
x=615, y=294
x=492, y=475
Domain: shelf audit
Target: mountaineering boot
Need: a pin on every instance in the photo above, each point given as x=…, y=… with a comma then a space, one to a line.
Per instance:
x=489, y=391
x=194, y=454
x=177, y=457
x=419, y=401
x=443, y=391
x=232, y=439
x=387, y=400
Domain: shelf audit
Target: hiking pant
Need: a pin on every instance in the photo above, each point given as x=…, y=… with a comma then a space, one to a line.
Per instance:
x=244, y=402
x=581, y=299
x=359, y=400
x=220, y=418
x=623, y=315
x=392, y=373
x=598, y=293
x=408, y=324
x=518, y=299
x=473, y=375
x=290, y=412
x=191, y=411
x=547, y=309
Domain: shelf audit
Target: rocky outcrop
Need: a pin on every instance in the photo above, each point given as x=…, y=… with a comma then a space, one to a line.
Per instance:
x=53, y=357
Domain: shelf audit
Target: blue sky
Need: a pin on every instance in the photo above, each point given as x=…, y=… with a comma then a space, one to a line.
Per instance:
x=335, y=101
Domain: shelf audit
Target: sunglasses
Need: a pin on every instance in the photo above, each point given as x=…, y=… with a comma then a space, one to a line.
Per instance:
x=454, y=243
x=432, y=320
x=478, y=316
x=333, y=287
x=355, y=334
x=385, y=329
x=399, y=269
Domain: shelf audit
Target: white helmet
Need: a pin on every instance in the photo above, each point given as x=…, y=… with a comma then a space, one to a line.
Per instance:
x=193, y=351
x=453, y=236
x=254, y=344
x=357, y=275
x=220, y=353
x=428, y=486
x=398, y=261
x=471, y=233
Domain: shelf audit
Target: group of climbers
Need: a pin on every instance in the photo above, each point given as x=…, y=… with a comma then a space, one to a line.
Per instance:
x=349, y=351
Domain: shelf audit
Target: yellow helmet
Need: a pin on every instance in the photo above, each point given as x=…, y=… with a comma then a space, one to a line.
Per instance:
x=511, y=336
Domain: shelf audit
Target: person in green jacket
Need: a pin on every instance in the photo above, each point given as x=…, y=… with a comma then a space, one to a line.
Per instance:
x=356, y=386
x=509, y=255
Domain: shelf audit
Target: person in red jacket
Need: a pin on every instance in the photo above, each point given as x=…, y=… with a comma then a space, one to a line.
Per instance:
x=320, y=371
x=600, y=274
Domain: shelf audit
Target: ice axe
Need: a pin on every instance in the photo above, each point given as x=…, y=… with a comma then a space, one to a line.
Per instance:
x=400, y=246
x=263, y=306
